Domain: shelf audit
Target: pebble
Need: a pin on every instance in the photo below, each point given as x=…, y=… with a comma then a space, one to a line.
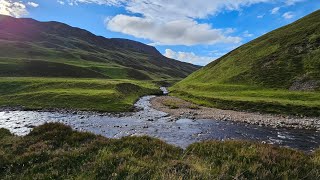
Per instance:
x=276, y=121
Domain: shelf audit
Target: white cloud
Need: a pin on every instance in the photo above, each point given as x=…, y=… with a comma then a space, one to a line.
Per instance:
x=13, y=8
x=168, y=9
x=175, y=32
x=189, y=57
x=275, y=10
x=175, y=8
x=260, y=16
x=100, y=2
x=61, y=2
x=288, y=15
x=293, y=2
x=175, y=22
x=33, y=4
x=169, y=22
x=247, y=34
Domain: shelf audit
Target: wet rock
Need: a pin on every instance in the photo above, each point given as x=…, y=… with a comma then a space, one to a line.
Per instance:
x=30, y=126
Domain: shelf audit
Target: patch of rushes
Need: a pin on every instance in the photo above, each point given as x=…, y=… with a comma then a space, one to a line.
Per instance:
x=177, y=103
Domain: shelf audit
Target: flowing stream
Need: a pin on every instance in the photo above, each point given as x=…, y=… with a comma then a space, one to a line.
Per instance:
x=158, y=124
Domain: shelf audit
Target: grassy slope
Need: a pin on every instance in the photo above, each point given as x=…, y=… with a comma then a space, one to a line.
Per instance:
x=257, y=75
x=76, y=94
x=54, y=151
x=250, y=98
x=53, y=65
x=53, y=49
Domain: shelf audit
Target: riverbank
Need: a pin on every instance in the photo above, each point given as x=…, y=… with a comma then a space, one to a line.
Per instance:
x=179, y=132
x=72, y=94
x=179, y=108
x=250, y=98
x=55, y=151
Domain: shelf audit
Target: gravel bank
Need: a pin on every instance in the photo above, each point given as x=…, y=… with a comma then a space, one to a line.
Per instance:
x=179, y=108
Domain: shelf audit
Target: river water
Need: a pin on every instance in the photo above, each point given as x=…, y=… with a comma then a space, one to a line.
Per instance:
x=158, y=124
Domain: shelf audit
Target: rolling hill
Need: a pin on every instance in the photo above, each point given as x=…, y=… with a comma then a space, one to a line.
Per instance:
x=49, y=65
x=277, y=72
x=52, y=49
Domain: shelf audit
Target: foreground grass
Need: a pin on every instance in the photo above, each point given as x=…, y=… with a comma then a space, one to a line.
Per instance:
x=250, y=98
x=76, y=94
x=55, y=151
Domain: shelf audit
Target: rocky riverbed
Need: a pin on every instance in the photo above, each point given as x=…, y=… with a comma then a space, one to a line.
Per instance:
x=179, y=130
x=179, y=108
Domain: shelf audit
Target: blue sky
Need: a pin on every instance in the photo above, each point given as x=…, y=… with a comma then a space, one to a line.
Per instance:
x=196, y=31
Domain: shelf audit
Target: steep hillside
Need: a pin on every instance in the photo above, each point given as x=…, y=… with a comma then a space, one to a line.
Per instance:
x=288, y=57
x=278, y=72
x=53, y=49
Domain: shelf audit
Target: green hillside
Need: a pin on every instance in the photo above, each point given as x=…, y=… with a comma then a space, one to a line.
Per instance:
x=53, y=65
x=277, y=72
x=52, y=49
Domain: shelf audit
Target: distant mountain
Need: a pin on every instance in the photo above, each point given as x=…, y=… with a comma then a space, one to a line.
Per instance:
x=287, y=58
x=52, y=49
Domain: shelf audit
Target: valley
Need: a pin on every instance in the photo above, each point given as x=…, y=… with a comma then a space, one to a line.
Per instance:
x=75, y=105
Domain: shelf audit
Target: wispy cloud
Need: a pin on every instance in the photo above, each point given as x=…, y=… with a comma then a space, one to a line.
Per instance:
x=247, y=34
x=33, y=4
x=292, y=2
x=61, y=2
x=260, y=16
x=288, y=15
x=275, y=10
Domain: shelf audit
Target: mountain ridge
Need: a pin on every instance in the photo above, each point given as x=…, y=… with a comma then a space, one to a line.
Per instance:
x=29, y=39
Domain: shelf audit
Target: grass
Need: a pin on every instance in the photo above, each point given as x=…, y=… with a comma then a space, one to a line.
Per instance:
x=53, y=49
x=76, y=94
x=53, y=65
x=171, y=104
x=278, y=72
x=250, y=98
x=275, y=60
x=178, y=103
x=55, y=151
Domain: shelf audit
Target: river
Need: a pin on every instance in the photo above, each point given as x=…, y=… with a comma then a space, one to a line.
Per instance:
x=154, y=123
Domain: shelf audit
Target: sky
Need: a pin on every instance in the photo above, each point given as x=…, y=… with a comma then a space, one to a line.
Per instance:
x=194, y=31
